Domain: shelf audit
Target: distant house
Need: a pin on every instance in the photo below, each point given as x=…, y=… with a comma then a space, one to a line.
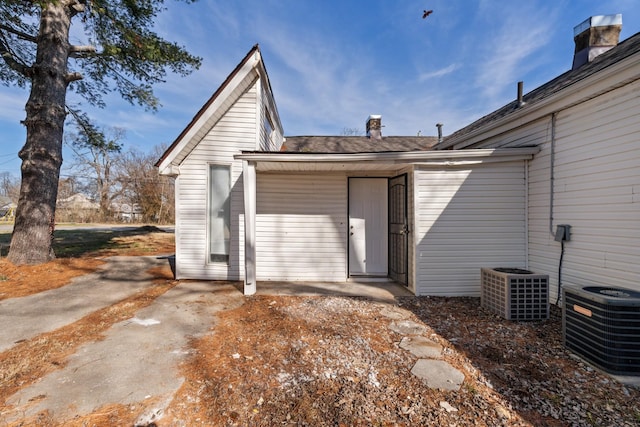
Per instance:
x=423, y=211
x=126, y=212
x=76, y=208
x=7, y=209
x=77, y=201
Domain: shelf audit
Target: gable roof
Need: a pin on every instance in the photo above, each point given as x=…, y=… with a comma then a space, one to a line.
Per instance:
x=559, y=86
x=244, y=75
x=357, y=144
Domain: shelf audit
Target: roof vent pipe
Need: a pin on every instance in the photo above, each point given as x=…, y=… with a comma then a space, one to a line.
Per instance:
x=439, y=126
x=520, y=95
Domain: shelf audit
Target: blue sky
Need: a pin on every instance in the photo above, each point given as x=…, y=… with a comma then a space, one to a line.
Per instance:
x=333, y=63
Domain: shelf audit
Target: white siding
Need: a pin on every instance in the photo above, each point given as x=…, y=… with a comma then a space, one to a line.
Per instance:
x=466, y=219
x=596, y=191
x=301, y=227
x=236, y=131
x=531, y=134
x=247, y=84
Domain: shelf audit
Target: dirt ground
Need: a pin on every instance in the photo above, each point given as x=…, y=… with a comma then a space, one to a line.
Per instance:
x=330, y=361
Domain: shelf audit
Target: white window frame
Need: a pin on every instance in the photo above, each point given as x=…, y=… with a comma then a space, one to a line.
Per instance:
x=218, y=258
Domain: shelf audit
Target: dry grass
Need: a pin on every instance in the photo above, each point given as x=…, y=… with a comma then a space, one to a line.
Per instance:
x=23, y=280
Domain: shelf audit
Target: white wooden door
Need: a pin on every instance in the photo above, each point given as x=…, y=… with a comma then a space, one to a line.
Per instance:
x=368, y=225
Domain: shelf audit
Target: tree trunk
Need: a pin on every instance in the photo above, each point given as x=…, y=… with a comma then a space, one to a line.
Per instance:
x=31, y=242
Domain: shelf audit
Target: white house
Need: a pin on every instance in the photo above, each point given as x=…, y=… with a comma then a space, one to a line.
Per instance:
x=586, y=123
x=252, y=207
x=426, y=212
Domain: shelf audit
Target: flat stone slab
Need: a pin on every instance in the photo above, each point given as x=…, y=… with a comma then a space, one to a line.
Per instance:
x=395, y=313
x=421, y=347
x=407, y=327
x=438, y=374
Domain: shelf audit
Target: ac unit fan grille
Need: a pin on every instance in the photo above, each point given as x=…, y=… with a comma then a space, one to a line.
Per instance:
x=604, y=331
x=518, y=295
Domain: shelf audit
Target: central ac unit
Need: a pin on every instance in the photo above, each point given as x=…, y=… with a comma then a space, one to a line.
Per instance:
x=602, y=325
x=514, y=293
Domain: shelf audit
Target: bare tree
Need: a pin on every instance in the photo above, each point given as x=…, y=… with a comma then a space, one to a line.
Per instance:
x=95, y=152
x=67, y=187
x=9, y=186
x=143, y=187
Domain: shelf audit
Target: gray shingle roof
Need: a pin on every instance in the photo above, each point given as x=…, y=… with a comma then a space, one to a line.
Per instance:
x=625, y=49
x=357, y=144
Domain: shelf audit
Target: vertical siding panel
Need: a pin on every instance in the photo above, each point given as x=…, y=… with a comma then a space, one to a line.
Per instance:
x=301, y=227
x=467, y=219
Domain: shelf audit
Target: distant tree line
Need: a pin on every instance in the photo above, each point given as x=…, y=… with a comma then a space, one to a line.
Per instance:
x=103, y=183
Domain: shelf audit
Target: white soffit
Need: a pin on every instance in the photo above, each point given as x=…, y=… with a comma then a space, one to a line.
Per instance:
x=311, y=162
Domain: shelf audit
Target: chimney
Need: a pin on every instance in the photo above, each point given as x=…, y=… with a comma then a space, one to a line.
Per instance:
x=374, y=126
x=439, y=126
x=595, y=36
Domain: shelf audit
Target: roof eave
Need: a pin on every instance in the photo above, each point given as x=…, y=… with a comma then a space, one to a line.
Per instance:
x=519, y=153
x=252, y=60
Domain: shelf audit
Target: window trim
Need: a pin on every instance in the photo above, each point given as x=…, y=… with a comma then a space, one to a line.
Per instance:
x=209, y=257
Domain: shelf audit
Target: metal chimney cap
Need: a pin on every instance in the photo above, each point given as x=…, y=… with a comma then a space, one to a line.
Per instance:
x=597, y=21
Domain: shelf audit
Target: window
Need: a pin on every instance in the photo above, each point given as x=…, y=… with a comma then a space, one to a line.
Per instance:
x=219, y=212
x=269, y=132
x=268, y=127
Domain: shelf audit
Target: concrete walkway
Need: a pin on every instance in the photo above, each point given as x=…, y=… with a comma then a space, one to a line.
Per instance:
x=139, y=358
x=29, y=316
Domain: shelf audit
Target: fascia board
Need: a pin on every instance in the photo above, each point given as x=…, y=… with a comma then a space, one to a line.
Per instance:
x=520, y=153
x=215, y=104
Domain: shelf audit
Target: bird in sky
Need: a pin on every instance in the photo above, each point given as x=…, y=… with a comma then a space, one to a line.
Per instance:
x=426, y=13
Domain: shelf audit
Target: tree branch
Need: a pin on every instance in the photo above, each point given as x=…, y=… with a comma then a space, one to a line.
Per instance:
x=75, y=6
x=81, y=51
x=72, y=77
x=18, y=33
x=12, y=62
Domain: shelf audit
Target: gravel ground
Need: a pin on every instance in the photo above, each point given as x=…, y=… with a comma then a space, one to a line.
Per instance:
x=334, y=361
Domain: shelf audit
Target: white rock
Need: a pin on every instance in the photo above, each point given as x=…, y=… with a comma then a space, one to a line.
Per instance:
x=448, y=407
